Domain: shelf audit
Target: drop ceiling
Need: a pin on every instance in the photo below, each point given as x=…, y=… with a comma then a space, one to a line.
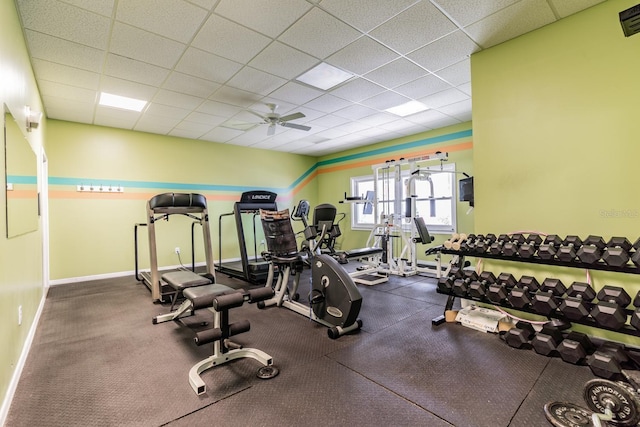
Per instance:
x=203, y=64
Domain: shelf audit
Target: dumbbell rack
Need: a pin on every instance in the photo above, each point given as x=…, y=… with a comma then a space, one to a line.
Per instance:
x=627, y=269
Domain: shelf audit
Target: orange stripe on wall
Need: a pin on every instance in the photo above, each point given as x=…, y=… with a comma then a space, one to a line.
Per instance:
x=22, y=194
x=449, y=148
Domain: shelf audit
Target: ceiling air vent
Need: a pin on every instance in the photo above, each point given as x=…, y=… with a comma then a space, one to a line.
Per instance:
x=630, y=20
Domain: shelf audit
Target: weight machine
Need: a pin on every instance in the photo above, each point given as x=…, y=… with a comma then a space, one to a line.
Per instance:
x=399, y=228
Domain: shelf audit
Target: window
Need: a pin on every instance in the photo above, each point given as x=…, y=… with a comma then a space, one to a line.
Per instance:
x=434, y=195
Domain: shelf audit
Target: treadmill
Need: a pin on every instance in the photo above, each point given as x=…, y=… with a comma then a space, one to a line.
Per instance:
x=252, y=268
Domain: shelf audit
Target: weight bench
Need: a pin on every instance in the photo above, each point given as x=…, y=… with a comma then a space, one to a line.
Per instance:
x=219, y=299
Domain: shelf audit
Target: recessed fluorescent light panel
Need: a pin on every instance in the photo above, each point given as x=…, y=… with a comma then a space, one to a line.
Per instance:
x=117, y=101
x=324, y=76
x=407, y=108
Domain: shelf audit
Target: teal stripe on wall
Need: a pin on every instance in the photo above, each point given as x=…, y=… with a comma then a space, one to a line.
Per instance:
x=399, y=147
x=22, y=179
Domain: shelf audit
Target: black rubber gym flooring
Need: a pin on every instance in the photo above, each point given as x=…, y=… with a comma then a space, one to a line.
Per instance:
x=97, y=360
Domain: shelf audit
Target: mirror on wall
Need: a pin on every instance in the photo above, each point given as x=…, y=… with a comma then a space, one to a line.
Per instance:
x=20, y=179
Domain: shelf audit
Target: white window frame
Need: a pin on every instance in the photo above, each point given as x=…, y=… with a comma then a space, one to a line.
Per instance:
x=358, y=182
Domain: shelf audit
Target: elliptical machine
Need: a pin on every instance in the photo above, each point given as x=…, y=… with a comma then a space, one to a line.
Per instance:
x=334, y=300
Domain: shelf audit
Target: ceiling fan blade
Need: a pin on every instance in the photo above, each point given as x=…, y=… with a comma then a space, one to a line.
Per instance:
x=291, y=117
x=295, y=126
x=256, y=114
x=271, y=130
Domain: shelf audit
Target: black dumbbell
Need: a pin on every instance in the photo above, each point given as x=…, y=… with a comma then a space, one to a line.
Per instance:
x=575, y=347
x=530, y=246
x=547, y=250
x=608, y=361
x=545, y=302
x=567, y=251
x=635, y=317
x=610, y=311
x=635, y=257
x=520, y=295
x=591, y=250
x=445, y=284
x=496, y=247
x=616, y=254
x=510, y=248
x=483, y=245
x=478, y=288
x=577, y=305
x=461, y=285
x=497, y=292
x=520, y=335
x=547, y=340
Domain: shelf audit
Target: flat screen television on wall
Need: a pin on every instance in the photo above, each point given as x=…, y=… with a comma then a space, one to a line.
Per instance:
x=465, y=190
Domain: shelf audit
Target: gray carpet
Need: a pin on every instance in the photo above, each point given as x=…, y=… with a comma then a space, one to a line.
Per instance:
x=98, y=360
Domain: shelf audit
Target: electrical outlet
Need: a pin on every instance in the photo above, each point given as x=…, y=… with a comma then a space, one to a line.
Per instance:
x=177, y=250
x=19, y=315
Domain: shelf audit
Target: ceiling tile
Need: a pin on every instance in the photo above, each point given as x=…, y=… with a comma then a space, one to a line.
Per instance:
x=510, y=22
x=362, y=56
x=396, y=73
x=102, y=7
x=168, y=111
x=365, y=15
x=569, y=7
x=64, y=91
x=51, y=71
x=204, y=119
x=458, y=73
x=355, y=112
x=460, y=110
x=113, y=117
x=221, y=135
x=229, y=40
x=328, y=121
x=443, y=98
x=319, y=34
x=176, y=99
x=233, y=96
x=469, y=11
x=127, y=88
x=296, y=93
x=178, y=82
x=198, y=63
x=356, y=90
x=174, y=19
x=378, y=119
x=385, y=100
x=327, y=103
x=283, y=61
x=63, y=109
x=64, y=21
x=422, y=87
x=155, y=124
x=466, y=88
x=144, y=46
x=60, y=51
x=256, y=81
x=136, y=71
x=218, y=109
x=446, y=51
x=266, y=16
x=415, y=27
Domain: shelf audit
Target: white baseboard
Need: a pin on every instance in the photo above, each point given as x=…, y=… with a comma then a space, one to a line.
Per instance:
x=15, y=378
x=79, y=279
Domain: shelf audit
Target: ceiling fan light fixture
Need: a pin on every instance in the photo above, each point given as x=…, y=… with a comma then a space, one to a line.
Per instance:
x=122, y=102
x=407, y=108
x=324, y=76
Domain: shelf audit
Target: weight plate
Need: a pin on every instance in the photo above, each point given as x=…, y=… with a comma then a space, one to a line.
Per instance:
x=562, y=414
x=619, y=397
x=267, y=372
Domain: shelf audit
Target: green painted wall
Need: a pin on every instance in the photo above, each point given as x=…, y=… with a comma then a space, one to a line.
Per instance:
x=21, y=274
x=336, y=170
x=555, y=135
x=93, y=233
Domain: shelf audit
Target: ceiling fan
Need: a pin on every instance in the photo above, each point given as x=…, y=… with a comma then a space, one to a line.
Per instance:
x=272, y=119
